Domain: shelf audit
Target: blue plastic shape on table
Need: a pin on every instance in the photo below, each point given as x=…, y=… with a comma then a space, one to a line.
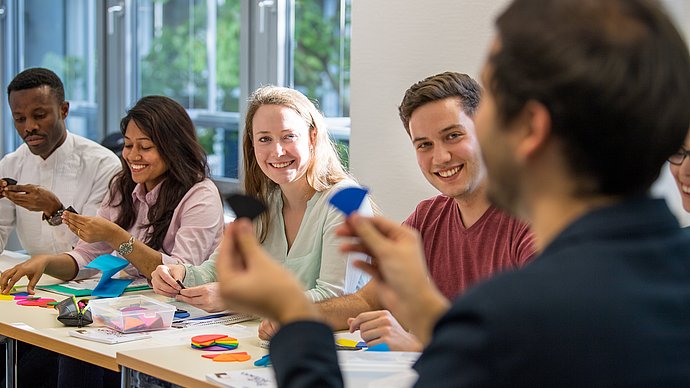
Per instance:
x=263, y=361
x=110, y=265
x=383, y=347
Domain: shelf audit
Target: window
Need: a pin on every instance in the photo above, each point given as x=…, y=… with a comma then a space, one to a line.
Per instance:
x=189, y=50
x=209, y=55
x=66, y=44
x=321, y=61
x=321, y=54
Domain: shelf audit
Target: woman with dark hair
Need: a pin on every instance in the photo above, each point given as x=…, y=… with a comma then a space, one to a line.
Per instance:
x=158, y=209
x=161, y=208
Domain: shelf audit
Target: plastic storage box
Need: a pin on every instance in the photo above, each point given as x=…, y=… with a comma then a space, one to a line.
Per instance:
x=131, y=314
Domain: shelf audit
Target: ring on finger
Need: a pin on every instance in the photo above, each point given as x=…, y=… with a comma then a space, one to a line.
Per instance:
x=79, y=232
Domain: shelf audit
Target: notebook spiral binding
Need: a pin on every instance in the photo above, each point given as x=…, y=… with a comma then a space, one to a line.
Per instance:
x=225, y=320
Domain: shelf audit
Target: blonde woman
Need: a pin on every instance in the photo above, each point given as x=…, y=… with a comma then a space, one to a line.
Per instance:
x=291, y=165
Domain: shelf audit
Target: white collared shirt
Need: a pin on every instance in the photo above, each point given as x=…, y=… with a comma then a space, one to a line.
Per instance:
x=78, y=173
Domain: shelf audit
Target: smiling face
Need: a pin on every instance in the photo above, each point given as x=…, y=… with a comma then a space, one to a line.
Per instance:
x=447, y=149
x=142, y=157
x=39, y=119
x=681, y=174
x=281, y=140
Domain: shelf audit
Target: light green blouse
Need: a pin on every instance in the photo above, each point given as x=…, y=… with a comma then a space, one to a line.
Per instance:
x=314, y=257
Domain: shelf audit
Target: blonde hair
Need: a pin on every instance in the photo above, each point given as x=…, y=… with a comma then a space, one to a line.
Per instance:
x=324, y=169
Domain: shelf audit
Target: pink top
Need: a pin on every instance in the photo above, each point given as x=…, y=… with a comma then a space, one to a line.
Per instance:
x=195, y=230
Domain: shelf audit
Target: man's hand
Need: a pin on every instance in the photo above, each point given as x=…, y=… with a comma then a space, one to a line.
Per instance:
x=267, y=329
x=205, y=297
x=399, y=266
x=252, y=282
x=3, y=186
x=377, y=327
x=164, y=279
x=32, y=268
x=33, y=197
x=94, y=228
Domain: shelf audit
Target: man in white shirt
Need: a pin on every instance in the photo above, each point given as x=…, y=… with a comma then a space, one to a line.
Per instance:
x=54, y=169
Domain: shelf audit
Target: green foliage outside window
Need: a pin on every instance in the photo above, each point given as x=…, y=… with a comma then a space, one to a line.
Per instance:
x=318, y=65
x=176, y=65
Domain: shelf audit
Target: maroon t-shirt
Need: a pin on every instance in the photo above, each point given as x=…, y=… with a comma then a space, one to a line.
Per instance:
x=458, y=257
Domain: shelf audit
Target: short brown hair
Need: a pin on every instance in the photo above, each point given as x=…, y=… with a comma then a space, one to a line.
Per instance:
x=614, y=75
x=439, y=87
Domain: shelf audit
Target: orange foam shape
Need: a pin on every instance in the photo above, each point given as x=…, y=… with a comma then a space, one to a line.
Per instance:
x=229, y=357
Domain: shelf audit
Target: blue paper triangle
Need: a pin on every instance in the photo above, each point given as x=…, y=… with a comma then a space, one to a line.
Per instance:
x=348, y=199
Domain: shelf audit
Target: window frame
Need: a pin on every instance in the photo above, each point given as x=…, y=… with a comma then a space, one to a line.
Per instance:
x=266, y=47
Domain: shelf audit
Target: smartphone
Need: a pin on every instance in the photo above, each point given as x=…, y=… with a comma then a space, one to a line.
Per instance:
x=10, y=181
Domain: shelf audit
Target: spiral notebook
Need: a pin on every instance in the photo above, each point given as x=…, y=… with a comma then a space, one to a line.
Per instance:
x=213, y=319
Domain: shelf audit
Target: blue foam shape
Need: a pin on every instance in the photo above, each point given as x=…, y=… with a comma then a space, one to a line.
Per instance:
x=108, y=287
x=379, y=348
x=263, y=361
x=348, y=199
x=111, y=288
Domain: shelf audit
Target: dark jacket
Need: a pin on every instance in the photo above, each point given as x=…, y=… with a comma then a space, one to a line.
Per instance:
x=606, y=304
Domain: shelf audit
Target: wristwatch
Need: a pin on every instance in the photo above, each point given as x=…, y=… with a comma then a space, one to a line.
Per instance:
x=126, y=247
x=54, y=219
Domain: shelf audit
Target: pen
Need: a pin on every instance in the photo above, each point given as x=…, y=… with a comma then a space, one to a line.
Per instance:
x=202, y=318
x=220, y=315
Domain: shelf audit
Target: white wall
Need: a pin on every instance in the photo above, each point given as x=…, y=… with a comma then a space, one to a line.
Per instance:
x=397, y=43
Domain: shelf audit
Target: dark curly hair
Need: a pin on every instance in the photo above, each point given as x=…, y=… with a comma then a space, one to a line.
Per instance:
x=171, y=129
x=35, y=77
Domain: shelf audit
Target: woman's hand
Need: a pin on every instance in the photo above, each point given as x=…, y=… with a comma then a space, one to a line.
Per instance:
x=205, y=297
x=60, y=266
x=93, y=228
x=33, y=269
x=164, y=279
